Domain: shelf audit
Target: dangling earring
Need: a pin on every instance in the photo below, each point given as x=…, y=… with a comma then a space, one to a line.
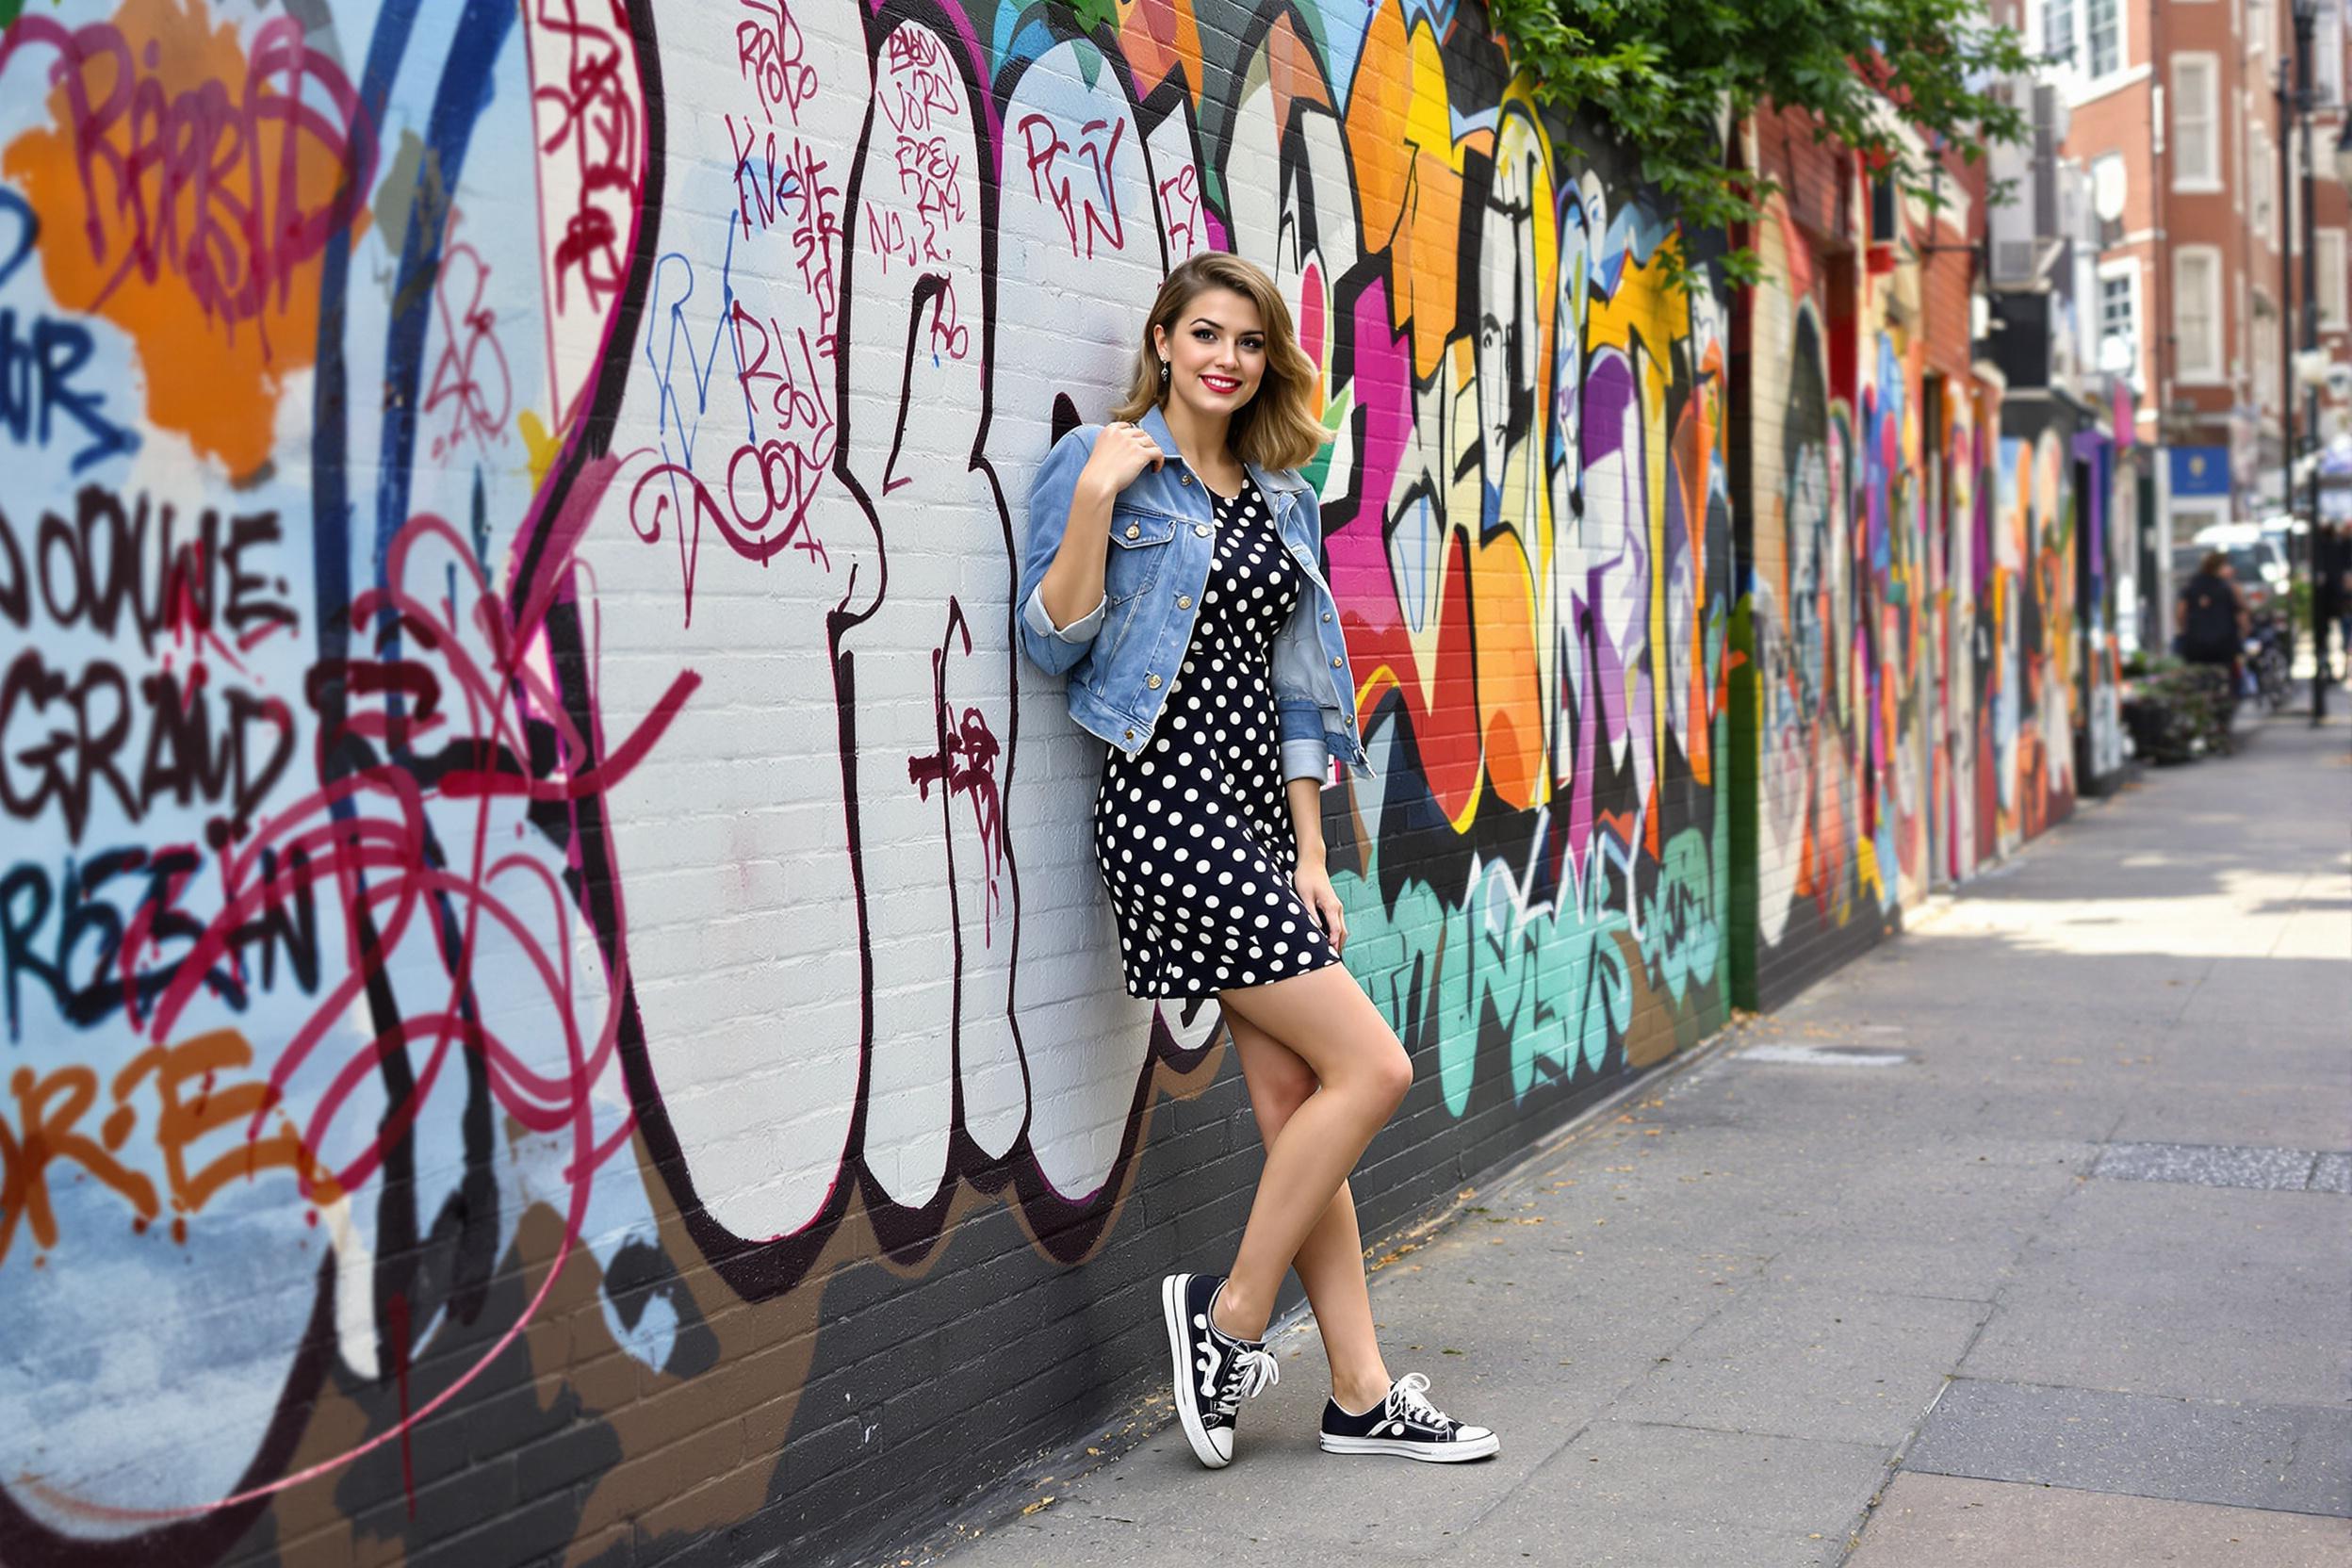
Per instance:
x=1163, y=375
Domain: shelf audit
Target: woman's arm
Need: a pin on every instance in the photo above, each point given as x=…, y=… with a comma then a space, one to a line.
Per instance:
x=1305, y=799
x=1073, y=584
x=1059, y=592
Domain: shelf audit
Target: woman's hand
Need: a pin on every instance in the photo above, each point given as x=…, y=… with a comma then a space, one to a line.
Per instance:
x=1120, y=452
x=1315, y=892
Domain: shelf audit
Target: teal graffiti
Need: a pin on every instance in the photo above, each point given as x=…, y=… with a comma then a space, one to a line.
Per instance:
x=1554, y=978
x=1682, y=937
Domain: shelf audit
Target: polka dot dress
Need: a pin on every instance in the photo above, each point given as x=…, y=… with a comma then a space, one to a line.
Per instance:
x=1193, y=832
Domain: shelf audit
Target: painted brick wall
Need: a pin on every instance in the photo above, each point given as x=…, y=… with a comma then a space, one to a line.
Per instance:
x=1909, y=675
x=558, y=1005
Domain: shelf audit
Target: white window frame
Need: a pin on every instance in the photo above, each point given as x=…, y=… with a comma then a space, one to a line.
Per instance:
x=2262, y=326
x=2263, y=182
x=2214, y=370
x=2128, y=268
x=2327, y=54
x=2071, y=64
x=2205, y=177
x=2328, y=278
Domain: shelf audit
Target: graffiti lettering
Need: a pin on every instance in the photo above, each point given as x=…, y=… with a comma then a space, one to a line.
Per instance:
x=203, y=182
x=41, y=366
x=471, y=387
x=114, y=568
x=1090, y=213
x=90, y=974
x=200, y=743
x=193, y=1104
x=768, y=49
x=590, y=108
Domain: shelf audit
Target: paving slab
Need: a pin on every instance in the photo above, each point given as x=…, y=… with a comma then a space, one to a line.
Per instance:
x=2295, y=1458
x=1621, y=1494
x=1945, y=1522
x=2208, y=1165
x=1811, y=1362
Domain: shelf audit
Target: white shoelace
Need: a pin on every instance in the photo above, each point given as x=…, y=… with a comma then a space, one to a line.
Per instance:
x=1251, y=1372
x=1409, y=1397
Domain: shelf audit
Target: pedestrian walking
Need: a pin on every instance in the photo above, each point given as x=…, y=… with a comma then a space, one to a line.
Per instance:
x=2331, y=561
x=2208, y=619
x=1173, y=574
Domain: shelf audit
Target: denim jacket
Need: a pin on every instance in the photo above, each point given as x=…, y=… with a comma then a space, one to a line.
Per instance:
x=1119, y=657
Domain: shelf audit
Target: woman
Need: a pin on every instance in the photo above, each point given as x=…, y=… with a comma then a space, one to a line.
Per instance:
x=2209, y=617
x=1173, y=574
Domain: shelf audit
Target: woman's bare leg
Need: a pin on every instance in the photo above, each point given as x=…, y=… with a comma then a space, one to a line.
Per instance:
x=1330, y=1261
x=1362, y=1073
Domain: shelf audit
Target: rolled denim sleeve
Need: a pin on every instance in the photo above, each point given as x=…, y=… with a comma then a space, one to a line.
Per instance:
x=1052, y=648
x=1305, y=753
x=1080, y=630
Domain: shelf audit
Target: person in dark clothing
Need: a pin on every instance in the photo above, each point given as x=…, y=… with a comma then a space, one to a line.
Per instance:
x=2210, y=619
x=2210, y=627
x=2331, y=560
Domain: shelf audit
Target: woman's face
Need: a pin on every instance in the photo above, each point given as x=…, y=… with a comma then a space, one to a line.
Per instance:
x=1215, y=355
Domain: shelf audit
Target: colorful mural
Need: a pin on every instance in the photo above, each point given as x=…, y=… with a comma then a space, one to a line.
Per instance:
x=1909, y=668
x=539, y=933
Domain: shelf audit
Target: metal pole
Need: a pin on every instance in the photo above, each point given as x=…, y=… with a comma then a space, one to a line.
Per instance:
x=2303, y=28
x=2286, y=294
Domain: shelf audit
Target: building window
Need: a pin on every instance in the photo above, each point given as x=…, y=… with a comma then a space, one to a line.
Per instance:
x=2263, y=181
x=2119, y=319
x=2058, y=29
x=2083, y=36
x=2197, y=313
x=2102, y=24
x=2196, y=123
x=2327, y=54
x=2328, y=261
x=2264, y=325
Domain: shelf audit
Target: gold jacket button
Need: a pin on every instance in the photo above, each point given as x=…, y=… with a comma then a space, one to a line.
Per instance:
x=1201, y=529
x=1132, y=530
x=1327, y=614
x=1184, y=601
x=1334, y=663
x=1152, y=682
x=1183, y=479
x=1131, y=734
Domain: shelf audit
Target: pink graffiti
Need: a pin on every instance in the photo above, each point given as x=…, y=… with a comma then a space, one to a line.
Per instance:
x=595, y=116
x=188, y=175
x=967, y=761
x=769, y=50
x=1094, y=213
x=470, y=371
x=1179, y=206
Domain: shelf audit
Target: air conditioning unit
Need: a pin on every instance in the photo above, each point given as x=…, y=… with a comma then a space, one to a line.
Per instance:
x=2014, y=251
x=2051, y=122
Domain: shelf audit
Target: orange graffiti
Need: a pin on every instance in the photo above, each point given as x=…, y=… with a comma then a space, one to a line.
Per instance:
x=1408, y=179
x=48, y=1110
x=188, y=191
x=192, y=1104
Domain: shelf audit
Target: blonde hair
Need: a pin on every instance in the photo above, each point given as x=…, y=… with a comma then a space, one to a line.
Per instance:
x=1280, y=427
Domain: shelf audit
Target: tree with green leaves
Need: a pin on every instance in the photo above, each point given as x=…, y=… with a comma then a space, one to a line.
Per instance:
x=1663, y=73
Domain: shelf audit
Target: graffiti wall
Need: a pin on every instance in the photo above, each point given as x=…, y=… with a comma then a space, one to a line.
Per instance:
x=1908, y=671
x=1834, y=677
x=552, y=1008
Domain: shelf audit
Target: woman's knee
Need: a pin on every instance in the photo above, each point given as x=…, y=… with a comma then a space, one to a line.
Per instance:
x=1391, y=1073
x=1276, y=1091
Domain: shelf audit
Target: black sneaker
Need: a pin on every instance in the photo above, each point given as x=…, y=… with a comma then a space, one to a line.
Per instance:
x=1214, y=1370
x=1405, y=1423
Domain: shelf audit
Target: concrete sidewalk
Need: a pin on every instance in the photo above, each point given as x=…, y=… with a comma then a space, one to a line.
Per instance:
x=2026, y=1239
